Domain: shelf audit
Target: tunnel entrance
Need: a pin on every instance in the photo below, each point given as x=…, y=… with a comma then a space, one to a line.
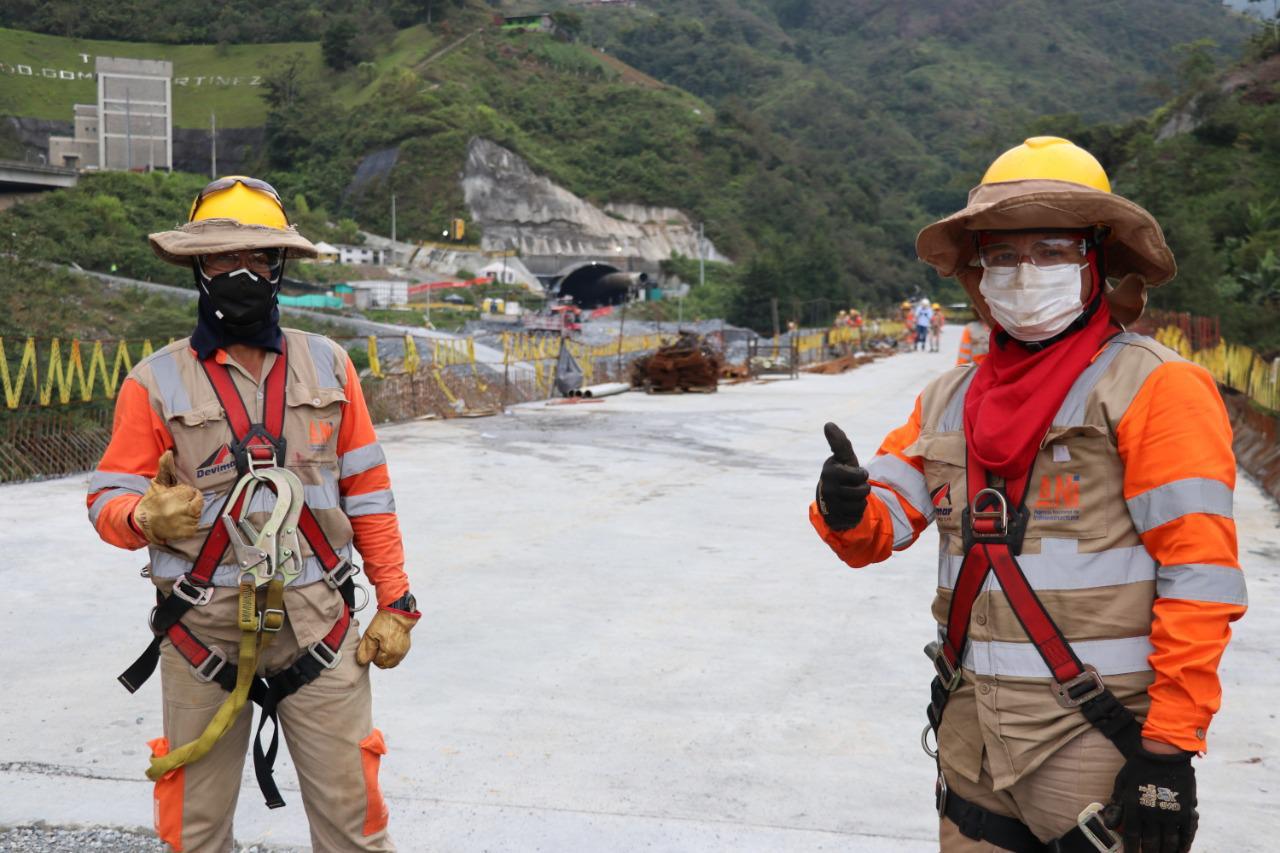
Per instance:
x=595, y=285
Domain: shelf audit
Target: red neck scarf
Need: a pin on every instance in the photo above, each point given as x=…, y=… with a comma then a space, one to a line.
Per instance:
x=1016, y=392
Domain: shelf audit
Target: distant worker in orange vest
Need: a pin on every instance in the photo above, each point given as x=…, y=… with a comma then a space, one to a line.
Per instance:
x=975, y=341
x=936, y=321
x=1081, y=479
x=244, y=459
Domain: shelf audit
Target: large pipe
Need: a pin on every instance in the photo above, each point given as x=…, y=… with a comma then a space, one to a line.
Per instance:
x=607, y=389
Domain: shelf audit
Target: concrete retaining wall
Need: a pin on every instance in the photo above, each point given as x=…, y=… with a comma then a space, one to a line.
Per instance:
x=1255, y=444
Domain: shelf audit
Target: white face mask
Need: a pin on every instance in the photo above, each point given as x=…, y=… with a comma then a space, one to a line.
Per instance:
x=1033, y=303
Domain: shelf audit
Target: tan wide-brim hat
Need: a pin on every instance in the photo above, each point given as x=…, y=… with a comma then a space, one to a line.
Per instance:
x=211, y=236
x=1137, y=256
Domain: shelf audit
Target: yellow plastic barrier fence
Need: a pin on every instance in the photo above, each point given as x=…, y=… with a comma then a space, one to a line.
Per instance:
x=1233, y=365
x=375, y=364
x=67, y=377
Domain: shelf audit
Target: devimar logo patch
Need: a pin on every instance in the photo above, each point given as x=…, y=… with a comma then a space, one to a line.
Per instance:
x=1059, y=498
x=941, y=497
x=219, y=461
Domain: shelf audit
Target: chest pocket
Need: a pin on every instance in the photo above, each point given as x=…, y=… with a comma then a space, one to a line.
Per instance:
x=1071, y=482
x=201, y=442
x=311, y=421
x=944, y=469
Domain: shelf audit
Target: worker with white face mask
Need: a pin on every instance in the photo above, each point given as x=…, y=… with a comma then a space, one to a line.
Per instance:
x=1081, y=478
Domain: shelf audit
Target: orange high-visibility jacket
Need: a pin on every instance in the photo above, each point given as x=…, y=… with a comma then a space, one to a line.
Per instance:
x=1131, y=546
x=167, y=402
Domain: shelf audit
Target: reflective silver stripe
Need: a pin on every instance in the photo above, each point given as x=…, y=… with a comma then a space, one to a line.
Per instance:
x=376, y=502
x=1062, y=570
x=953, y=416
x=212, y=503
x=1071, y=412
x=165, y=370
x=166, y=565
x=1181, y=497
x=902, y=532
x=323, y=496
x=323, y=356
x=115, y=480
x=105, y=498
x=1110, y=657
x=1202, y=582
x=904, y=479
x=361, y=459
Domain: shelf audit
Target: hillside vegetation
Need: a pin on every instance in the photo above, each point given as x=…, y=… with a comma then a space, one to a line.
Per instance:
x=814, y=137
x=1207, y=166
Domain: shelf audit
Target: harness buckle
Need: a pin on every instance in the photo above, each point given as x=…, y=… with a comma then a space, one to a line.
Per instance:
x=326, y=656
x=271, y=620
x=197, y=595
x=947, y=674
x=1096, y=831
x=1003, y=526
x=940, y=794
x=343, y=572
x=1074, y=692
x=212, y=665
x=976, y=515
x=924, y=741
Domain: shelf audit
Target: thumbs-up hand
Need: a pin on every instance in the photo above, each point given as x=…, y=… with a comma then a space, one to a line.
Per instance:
x=842, y=488
x=169, y=509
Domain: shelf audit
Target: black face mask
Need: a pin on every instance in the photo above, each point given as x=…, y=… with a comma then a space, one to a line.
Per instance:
x=243, y=302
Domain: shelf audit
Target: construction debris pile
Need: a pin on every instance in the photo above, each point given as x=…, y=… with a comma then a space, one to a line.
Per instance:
x=690, y=364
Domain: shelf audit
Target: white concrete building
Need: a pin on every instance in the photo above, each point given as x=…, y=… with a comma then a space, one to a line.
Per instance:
x=361, y=254
x=130, y=127
x=381, y=293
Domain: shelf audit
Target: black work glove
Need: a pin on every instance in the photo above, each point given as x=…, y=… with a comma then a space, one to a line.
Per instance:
x=1153, y=805
x=842, y=488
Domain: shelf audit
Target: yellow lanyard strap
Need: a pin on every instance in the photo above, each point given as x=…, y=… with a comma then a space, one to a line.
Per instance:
x=246, y=668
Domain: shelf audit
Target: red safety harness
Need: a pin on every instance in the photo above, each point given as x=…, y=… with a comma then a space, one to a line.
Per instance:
x=993, y=526
x=253, y=444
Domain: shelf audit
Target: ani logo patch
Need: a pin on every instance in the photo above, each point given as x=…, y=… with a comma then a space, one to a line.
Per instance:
x=321, y=432
x=1059, y=498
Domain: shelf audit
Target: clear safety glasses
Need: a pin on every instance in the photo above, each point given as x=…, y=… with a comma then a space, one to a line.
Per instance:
x=262, y=262
x=1043, y=252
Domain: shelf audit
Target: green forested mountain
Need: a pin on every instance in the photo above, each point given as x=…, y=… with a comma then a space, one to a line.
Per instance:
x=224, y=22
x=1208, y=165
x=813, y=136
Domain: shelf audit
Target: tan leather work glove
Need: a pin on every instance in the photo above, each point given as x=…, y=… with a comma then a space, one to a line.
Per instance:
x=169, y=509
x=386, y=640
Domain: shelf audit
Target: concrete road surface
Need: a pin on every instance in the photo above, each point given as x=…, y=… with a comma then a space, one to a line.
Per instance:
x=632, y=641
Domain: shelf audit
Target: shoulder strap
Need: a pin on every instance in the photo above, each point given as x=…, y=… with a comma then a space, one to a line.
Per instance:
x=253, y=442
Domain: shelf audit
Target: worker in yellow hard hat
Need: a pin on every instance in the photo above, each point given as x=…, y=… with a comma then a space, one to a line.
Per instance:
x=244, y=459
x=1081, y=478
x=936, y=321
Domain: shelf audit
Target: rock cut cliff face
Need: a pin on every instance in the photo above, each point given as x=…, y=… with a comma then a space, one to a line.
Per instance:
x=518, y=208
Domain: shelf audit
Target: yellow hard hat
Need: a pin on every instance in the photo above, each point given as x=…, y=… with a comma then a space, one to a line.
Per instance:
x=249, y=201
x=906, y=303
x=936, y=306
x=1049, y=158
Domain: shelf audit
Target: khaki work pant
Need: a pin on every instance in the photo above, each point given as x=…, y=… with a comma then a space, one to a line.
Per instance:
x=327, y=726
x=1048, y=800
